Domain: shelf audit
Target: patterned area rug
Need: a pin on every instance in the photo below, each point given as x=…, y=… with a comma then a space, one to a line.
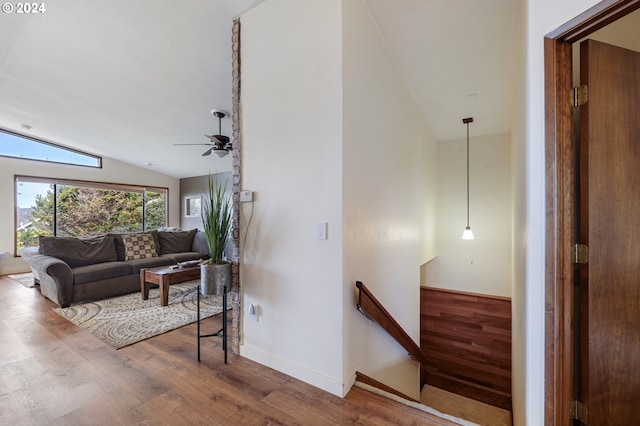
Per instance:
x=24, y=279
x=124, y=320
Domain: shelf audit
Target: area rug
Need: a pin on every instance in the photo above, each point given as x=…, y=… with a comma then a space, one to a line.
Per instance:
x=24, y=279
x=124, y=320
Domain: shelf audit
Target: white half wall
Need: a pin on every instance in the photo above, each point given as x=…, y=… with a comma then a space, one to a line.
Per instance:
x=482, y=265
x=112, y=171
x=291, y=104
x=388, y=202
x=518, y=298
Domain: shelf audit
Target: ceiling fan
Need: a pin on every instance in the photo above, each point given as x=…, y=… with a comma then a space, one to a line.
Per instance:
x=220, y=144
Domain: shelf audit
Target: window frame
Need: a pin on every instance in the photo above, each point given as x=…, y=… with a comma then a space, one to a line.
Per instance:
x=51, y=144
x=188, y=208
x=87, y=184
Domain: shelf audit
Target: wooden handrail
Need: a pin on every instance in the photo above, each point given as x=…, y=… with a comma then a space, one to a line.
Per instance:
x=372, y=309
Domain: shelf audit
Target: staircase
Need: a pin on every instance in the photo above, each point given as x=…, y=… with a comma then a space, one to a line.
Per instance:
x=465, y=343
x=372, y=309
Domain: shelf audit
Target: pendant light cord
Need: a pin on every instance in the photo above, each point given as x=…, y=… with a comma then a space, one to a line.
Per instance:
x=467, y=175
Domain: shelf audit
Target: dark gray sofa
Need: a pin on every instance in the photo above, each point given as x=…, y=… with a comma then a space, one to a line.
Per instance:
x=72, y=270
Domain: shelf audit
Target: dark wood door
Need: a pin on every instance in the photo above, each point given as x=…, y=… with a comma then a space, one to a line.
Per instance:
x=609, y=223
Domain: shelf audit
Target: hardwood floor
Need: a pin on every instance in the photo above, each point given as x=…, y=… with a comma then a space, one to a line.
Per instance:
x=465, y=408
x=52, y=372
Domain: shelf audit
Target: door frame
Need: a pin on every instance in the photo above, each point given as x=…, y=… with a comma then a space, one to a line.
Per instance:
x=559, y=174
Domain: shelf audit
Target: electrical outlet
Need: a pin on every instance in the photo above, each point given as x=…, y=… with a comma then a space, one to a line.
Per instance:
x=246, y=196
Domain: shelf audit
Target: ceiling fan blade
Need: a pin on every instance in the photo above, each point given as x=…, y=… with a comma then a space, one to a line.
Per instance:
x=180, y=144
x=215, y=138
x=207, y=152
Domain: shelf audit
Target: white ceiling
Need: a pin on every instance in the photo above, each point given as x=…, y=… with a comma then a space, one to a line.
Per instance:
x=127, y=79
x=457, y=58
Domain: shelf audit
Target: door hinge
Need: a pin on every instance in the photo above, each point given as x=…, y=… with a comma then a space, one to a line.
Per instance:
x=580, y=253
x=579, y=96
x=579, y=412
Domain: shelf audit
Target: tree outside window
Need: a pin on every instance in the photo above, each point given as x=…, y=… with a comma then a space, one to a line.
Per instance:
x=84, y=210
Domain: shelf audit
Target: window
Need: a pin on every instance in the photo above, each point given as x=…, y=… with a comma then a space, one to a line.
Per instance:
x=79, y=209
x=19, y=146
x=192, y=206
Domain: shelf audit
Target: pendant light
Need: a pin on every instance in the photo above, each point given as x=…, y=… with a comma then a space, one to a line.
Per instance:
x=468, y=233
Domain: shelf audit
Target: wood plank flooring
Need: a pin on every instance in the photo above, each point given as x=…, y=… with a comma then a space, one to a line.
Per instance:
x=54, y=373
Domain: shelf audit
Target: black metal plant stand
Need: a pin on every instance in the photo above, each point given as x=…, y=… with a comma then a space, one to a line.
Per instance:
x=222, y=333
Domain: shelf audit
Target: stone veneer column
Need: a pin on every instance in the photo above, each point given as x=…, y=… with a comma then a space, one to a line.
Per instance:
x=234, y=335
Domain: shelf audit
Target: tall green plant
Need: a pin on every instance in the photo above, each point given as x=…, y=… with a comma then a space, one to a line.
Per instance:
x=216, y=219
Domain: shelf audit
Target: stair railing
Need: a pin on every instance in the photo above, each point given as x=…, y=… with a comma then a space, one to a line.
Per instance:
x=373, y=310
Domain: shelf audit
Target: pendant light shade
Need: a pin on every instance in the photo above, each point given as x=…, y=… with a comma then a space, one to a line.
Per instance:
x=468, y=233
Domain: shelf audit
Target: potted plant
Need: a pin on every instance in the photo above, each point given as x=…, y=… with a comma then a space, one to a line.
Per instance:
x=216, y=216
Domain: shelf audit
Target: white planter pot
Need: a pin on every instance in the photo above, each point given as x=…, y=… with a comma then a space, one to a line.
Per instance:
x=214, y=278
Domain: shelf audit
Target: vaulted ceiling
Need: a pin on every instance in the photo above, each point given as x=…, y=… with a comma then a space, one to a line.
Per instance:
x=127, y=80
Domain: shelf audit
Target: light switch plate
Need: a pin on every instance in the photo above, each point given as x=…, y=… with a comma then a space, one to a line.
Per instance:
x=246, y=196
x=321, y=231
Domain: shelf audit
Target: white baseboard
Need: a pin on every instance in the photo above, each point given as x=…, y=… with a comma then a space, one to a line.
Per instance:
x=299, y=372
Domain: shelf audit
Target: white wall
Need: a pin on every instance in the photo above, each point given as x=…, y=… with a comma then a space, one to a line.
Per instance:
x=388, y=200
x=540, y=17
x=292, y=158
x=324, y=116
x=111, y=171
x=482, y=265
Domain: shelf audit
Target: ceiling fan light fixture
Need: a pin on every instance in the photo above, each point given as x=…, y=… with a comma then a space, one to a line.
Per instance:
x=221, y=152
x=219, y=144
x=222, y=143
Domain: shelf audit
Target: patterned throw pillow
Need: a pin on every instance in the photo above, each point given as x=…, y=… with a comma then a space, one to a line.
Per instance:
x=139, y=246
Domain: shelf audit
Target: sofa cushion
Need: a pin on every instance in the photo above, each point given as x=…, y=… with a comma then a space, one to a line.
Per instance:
x=175, y=242
x=186, y=256
x=120, y=243
x=100, y=271
x=79, y=251
x=139, y=246
x=200, y=243
x=151, y=262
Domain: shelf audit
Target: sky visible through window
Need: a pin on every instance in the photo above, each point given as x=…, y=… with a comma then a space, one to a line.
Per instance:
x=18, y=147
x=27, y=191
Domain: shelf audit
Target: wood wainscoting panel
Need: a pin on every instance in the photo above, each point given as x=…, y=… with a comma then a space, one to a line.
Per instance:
x=466, y=338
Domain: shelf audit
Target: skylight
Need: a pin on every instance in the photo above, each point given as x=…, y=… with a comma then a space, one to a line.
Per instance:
x=18, y=146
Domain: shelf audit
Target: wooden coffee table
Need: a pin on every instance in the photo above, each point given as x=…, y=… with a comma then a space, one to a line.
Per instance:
x=163, y=277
